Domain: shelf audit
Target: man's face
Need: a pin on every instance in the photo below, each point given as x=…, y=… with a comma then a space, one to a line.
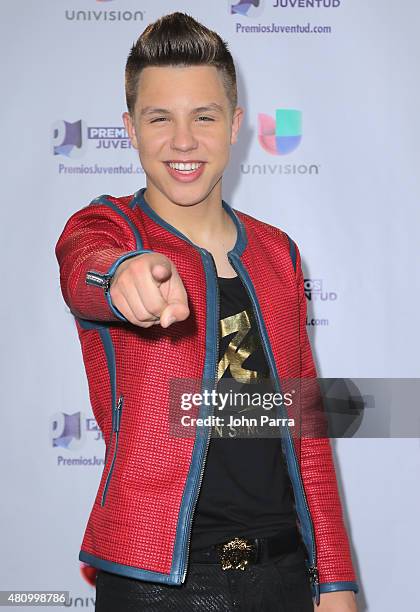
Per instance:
x=183, y=116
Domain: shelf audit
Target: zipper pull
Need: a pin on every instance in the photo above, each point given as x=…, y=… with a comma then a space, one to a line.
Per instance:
x=118, y=412
x=98, y=280
x=314, y=578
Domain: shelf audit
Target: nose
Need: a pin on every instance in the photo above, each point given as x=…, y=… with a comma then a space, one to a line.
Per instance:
x=183, y=138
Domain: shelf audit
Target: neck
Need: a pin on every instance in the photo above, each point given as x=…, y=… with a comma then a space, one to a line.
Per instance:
x=204, y=223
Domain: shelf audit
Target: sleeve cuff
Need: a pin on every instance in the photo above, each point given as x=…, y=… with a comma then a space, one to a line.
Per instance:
x=329, y=587
x=104, y=280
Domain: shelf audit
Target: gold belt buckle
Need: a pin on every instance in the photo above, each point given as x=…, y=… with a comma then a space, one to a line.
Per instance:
x=236, y=553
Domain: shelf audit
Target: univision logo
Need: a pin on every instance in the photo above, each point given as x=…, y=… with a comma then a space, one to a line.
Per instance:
x=246, y=8
x=104, y=15
x=281, y=135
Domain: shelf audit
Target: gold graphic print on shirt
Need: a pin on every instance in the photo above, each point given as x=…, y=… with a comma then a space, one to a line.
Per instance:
x=241, y=346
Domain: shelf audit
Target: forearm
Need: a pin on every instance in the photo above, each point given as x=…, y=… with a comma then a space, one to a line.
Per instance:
x=95, y=240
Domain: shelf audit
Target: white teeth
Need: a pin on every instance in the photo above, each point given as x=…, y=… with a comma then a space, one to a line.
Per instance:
x=185, y=167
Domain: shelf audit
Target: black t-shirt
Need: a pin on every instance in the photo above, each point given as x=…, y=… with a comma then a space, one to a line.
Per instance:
x=246, y=489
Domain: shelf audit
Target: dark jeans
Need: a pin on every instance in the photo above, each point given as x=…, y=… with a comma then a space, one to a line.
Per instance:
x=279, y=585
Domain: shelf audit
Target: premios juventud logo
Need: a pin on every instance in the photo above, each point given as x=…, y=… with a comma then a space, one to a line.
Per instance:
x=246, y=8
x=72, y=138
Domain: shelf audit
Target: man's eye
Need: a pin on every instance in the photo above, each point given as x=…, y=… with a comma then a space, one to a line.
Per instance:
x=200, y=118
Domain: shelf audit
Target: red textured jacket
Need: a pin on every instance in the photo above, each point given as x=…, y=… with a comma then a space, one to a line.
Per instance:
x=141, y=519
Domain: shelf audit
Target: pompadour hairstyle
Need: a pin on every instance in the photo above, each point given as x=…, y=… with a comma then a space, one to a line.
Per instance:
x=178, y=40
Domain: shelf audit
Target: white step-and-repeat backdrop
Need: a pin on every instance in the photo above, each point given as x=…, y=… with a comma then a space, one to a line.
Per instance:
x=347, y=192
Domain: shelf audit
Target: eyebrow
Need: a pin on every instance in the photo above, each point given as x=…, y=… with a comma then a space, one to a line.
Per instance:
x=213, y=106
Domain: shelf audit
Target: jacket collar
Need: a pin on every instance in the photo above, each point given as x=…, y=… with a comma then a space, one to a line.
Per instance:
x=241, y=236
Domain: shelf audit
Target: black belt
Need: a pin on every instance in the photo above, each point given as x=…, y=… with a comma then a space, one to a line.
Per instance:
x=238, y=552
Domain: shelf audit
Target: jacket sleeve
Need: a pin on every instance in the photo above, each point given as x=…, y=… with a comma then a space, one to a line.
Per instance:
x=94, y=241
x=334, y=562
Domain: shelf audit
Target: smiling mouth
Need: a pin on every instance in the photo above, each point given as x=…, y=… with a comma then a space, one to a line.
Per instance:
x=185, y=167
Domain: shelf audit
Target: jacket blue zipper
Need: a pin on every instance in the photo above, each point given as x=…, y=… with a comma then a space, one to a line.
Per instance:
x=116, y=430
x=313, y=570
x=97, y=279
x=186, y=546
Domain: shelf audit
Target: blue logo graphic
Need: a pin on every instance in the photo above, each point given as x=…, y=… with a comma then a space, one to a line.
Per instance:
x=247, y=8
x=66, y=430
x=280, y=135
x=69, y=138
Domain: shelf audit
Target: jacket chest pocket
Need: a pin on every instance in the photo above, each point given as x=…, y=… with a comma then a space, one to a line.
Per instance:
x=116, y=419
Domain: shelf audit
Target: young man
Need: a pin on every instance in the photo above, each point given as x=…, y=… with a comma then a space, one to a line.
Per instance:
x=168, y=284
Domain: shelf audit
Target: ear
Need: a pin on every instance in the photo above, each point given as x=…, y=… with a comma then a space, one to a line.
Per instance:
x=130, y=129
x=238, y=115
